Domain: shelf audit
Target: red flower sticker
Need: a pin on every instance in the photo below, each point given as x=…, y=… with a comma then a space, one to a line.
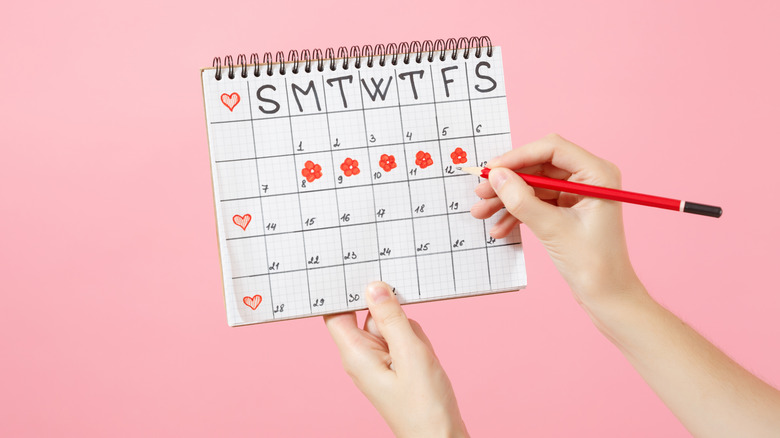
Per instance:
x=350, y=167
x=387, y=162
x=458, y=156
x=311, y=171
x=423, y=159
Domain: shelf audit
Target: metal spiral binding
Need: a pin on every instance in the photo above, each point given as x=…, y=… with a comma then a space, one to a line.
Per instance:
x=341, y=57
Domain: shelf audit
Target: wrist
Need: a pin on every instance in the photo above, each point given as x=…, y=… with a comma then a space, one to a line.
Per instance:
x=617, y=312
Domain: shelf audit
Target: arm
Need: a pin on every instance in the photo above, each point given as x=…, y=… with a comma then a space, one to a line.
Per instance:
x=710, y=394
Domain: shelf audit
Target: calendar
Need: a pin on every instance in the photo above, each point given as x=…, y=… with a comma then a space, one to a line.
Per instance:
x=331, y=170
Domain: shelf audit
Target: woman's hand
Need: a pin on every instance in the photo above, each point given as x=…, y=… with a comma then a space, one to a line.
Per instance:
x=393, y=364
x=584, y=236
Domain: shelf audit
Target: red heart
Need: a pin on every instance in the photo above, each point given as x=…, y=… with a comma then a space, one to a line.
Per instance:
x=242, y=221
x=253, y=302
x=230, y=100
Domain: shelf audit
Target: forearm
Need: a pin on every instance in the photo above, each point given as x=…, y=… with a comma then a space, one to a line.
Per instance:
x=711, y=394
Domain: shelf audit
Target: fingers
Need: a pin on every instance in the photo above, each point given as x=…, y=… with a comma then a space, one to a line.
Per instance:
x=486, y=208
x=521, y=202
x=343, y=329
x=484, y=190
x=552, y=149
x=390, y=319
x=362, y=358
x=420, y=333
x=504, y=226
x=371, y=327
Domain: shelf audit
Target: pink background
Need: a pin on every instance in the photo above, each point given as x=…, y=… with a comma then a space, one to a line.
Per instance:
x=112, y=315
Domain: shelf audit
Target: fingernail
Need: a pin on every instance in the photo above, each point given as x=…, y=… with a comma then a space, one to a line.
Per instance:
x=378, y=293
x=492, y=162
x=497, y=178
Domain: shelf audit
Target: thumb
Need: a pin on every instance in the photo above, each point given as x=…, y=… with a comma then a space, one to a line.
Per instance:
x=519, y=199
x=390, y=319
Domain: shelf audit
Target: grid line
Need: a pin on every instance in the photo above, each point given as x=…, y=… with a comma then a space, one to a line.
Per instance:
x=443, y=183
x=259, y=191
x=408, y=183
x=370, y=175
x=300, y=209
x=376, y=260
x=476, y=158
x=367, y=146
x=338, y=210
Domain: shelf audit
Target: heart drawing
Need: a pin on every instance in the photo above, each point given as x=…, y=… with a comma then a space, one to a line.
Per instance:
x=230, y=100
x=242, y=221
x=253, y=302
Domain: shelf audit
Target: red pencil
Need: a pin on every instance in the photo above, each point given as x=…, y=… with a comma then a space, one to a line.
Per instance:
x=544, y=182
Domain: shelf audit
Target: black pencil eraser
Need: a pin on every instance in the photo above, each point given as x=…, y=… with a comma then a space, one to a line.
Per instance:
x=702, y=209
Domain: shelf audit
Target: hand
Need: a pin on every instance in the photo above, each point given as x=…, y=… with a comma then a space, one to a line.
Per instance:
x=584, y=236
x=393, y=364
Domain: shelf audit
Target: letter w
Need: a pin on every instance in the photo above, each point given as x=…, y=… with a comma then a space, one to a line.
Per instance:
x=377, y=91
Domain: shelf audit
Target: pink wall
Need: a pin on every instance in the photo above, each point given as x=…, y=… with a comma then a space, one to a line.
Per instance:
x=112, y=317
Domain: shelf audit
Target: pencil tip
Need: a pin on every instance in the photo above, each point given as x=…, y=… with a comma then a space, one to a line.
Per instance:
x=459, y=168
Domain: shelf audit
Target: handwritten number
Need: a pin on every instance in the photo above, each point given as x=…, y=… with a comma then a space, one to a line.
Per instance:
x=341, y=179
x=353, y=297
x=345, y=217
x=420, y=208
x=279, y=308
x=444, y=131
x=271, y=226
x=319, y=302
x=372, y=139
x=336, y=144
x=300, y=146
x=409, y=135
x=265, y=188
x=479, y=129
x=377, y=175
x=453, y=205
x=423, y=247
x=449, y=170
x=458, y=243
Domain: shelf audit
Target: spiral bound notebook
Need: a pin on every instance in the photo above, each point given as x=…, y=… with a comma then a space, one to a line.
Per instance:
x=331, y=170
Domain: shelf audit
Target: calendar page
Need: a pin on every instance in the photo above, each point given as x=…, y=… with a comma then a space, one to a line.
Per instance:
x=327, y=180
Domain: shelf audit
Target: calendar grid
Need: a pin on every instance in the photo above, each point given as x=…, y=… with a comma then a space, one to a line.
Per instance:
x=346, y=110
x=333, y=163
x=476, y=157
x=322, y=233
x=259, y=190
x=298, y=190
x=408, y=183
